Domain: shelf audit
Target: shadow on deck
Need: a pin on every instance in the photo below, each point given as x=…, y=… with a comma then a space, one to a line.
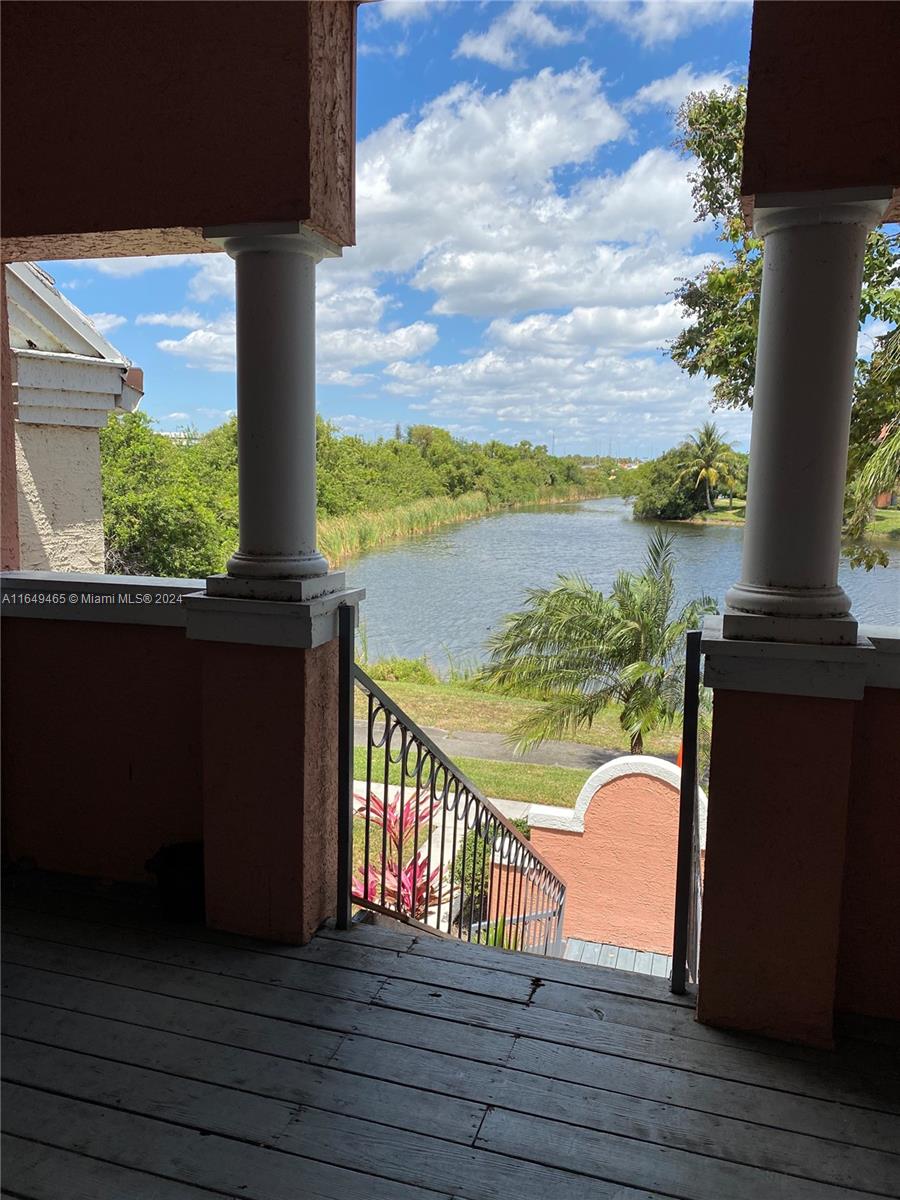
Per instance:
x=158, y=1062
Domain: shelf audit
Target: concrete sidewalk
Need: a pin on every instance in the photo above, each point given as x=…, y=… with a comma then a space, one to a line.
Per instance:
x=495, y=746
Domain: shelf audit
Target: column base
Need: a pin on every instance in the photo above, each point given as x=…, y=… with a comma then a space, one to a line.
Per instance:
x=261, y=567
x=246, y=588
x=816, y=631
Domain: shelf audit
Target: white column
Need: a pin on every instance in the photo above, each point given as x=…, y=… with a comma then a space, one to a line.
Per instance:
x=275, y=276
x=806, y=350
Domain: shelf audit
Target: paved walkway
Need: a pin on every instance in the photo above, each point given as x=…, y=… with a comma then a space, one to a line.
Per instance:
x=495, y=746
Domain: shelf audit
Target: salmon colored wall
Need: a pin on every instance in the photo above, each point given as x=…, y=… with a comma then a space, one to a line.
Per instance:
x=822, y=104
x=869, y=959
x=620, y=873
x=779, y=778
x=101, y=744
x=270, y=788
x=162, y=118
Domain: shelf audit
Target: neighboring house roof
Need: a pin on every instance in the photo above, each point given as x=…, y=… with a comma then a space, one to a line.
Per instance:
x=67, y=373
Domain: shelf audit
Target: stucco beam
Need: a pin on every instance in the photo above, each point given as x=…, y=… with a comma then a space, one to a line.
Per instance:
x=265, y=131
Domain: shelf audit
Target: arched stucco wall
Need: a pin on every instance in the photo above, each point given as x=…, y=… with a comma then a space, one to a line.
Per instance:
x=616, y=851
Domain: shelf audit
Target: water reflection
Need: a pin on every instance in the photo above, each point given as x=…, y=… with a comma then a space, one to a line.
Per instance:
x=441, y=594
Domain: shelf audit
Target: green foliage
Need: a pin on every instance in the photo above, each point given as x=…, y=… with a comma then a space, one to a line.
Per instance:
x=403, y=670
x=662, y=490
x=171, y=505
x=874, y=459
x=581, y=651
x=167, y=508
x=722, y=302
x=477, y=855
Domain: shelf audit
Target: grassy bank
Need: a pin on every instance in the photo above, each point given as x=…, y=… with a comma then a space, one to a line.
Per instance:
x=458, y=708
x=341, y=538
x=529, y=782
x=885, y=522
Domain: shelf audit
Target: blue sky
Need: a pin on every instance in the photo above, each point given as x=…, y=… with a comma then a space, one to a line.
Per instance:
x=521, y=219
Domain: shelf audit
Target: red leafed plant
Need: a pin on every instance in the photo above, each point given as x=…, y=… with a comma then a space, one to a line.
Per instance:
x=408, y=885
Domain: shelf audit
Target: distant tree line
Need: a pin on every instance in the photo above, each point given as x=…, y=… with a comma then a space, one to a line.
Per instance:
x=170, y=504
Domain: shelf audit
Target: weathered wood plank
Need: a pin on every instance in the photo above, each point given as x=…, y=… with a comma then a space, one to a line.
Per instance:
x=275, y=1077
x=674, y=1172
x=556, y=969
x=574, y=949
x=225, y=1166
x=610, y=1111
x=608, y=955
x=725, y=1098
x=98, y=971
x=46, y=1173
x=236, y=963
x=207, y=1021
x=643, y=962
x=625, y=959
x=727, y=1062
x=471, y=1174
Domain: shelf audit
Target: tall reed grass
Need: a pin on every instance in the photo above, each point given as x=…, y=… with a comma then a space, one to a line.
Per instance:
x=341, y=538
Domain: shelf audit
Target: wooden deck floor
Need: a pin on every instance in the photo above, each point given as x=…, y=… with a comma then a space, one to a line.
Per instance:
x=152, y=1062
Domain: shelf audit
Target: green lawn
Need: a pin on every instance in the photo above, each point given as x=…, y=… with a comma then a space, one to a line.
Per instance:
x=506, y=780
x=723, y=515
x=455, y=707
x=885, y=523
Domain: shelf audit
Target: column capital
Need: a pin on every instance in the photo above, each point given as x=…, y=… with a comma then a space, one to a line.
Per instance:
x=836, y=206
x=267, y=237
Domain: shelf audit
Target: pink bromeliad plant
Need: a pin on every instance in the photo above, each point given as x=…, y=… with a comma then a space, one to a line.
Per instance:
x=408, y=885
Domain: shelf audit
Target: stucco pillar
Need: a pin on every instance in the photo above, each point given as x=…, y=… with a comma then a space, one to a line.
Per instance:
x=809, y=316
x=276, y=405
x=270, y=662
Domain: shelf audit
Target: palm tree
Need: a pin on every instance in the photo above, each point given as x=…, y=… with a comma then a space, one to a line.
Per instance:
x=881, y=470
x=580, y=651
x=708, y=461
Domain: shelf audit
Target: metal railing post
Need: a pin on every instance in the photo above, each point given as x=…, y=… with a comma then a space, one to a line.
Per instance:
x=686, y=810
x=346, y=690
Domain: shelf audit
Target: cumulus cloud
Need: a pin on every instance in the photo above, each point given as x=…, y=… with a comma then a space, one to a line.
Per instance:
x=577, y=391
x=670, y=91
x=104, y=321
x=656, y=22
x=126, y=267
x=519, y=25
x=183, y=319
x=213, y=347
x=406, y=11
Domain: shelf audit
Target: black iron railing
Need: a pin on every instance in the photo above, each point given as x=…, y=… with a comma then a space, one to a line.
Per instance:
x=688, y=872
x=420, y=843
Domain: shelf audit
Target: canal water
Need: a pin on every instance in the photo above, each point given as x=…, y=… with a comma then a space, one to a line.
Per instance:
x=441, y=594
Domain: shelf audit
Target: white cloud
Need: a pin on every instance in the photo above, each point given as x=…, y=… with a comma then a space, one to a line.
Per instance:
x=183, y=319
x=670, y=91
x=124, y=268
x=655, y=22
x=647, y=328
x=406, y=11
x=104, y=322
x=213, y=347
x=520, y=24
x=176, y=416
x=579, y=392
x=215, y=278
